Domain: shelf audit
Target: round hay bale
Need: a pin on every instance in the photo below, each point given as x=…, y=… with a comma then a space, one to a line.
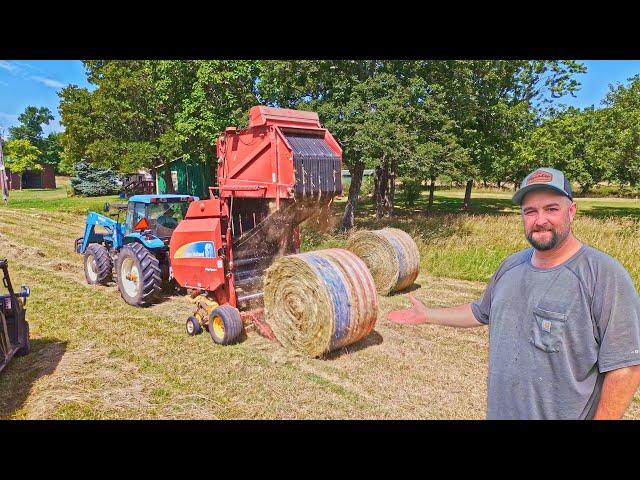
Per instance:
x=319, y=301
x=391, y=256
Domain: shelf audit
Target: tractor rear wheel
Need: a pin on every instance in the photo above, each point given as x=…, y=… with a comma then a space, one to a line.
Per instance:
x=98, y=266
x=225, y=325
x=139, y=275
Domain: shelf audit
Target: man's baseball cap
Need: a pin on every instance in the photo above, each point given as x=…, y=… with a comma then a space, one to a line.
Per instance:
x=543, y=178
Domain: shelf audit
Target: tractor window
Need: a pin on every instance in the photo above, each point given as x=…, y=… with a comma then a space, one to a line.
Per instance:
x=164, y=217
x=138, y=213
x=135, y=212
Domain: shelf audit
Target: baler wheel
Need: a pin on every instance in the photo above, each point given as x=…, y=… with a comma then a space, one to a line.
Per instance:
x=98, y=266
x=193, y=326
x=225, y=325
x=139, y=275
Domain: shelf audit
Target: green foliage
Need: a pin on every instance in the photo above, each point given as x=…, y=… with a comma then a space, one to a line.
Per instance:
x=366, y=187
x=411, y=191
x=143, y=113
x=423, y=118
x=487, y=120
x=91, y=181
x=21, y=155
x=30, y=129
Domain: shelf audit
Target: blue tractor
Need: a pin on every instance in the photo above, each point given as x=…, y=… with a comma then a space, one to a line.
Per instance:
x=138, y=249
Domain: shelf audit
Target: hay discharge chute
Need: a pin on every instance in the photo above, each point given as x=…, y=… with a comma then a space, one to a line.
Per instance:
x=272, y=176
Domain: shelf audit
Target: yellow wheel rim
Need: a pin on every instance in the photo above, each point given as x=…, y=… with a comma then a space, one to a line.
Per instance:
x=218, y=327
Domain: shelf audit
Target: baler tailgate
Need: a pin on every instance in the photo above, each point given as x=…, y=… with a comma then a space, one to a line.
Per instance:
x=316, y=165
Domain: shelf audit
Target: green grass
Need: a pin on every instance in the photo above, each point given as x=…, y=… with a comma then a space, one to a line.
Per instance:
x=57, y=200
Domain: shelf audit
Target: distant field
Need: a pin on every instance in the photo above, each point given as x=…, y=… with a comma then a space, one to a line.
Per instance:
x=93, y=356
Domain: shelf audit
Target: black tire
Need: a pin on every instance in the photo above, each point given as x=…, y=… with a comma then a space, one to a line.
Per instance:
x=225, y=325
x=98, y=266
x=193, y=326
x=147, y=285
x=26, y=346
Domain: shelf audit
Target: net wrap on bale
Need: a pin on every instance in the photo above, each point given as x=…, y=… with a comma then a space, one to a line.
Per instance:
x=320, y=301
x=391, y=255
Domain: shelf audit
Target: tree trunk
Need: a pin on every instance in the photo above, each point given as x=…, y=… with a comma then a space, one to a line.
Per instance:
x=348, y=217
x=392, y=189
x=432, y=189
x=154, y=175
x=467, y=195
x=499, y=182
x=382, y=189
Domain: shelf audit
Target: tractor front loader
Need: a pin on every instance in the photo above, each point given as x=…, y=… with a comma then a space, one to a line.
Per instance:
x=272, y=176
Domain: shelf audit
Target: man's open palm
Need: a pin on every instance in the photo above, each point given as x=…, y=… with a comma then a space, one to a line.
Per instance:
x=415, y=315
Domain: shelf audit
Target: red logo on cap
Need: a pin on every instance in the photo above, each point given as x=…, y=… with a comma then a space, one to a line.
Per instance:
x=539, y=176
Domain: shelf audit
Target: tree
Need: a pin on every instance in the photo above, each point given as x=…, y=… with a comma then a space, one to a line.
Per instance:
x=619, y=135
x=20, y=156
x=30, y=128
x=52, y=150
x=145, y=113
x=495, y=102
x=573, y=141
x=92, y=182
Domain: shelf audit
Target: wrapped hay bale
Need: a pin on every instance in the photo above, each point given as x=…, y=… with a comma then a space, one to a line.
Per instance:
x=319, y=301
x=391, y=256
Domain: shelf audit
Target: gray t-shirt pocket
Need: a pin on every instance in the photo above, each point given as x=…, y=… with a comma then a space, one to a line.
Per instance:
x=547, y=330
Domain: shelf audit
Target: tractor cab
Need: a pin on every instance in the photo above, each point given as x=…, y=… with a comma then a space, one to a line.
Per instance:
x=157, y=215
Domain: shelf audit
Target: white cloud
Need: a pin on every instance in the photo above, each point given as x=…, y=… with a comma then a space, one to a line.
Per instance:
x=8, y=66
x=48, y=82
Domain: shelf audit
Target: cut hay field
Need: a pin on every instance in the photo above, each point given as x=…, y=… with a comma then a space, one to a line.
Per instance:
x=95, y=357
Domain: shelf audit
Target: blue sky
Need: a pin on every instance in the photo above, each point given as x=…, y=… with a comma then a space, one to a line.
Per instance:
x=36, y=82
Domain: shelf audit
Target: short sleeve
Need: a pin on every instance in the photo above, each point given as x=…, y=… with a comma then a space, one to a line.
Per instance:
x=481, y=308
x=616, y=310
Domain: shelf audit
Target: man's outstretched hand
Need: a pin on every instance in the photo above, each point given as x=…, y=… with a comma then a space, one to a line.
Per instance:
x=415, y=315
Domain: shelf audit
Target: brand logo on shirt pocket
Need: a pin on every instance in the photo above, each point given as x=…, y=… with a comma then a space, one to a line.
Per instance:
x=547, y=331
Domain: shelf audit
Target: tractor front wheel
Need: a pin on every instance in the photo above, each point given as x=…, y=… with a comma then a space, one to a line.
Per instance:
x=98, y=266
x=139, y=275
x=225, y=325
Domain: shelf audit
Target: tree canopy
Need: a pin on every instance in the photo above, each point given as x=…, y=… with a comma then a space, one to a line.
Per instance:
x=469, y=120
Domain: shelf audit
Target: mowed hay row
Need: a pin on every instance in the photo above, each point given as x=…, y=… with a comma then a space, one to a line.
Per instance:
x=391, y=255
x=320, y=301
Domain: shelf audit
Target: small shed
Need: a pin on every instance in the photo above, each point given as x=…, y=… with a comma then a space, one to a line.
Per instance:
x=46, y=178
x=189, y=177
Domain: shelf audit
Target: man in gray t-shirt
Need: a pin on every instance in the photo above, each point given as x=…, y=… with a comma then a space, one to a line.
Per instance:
x=563, y=317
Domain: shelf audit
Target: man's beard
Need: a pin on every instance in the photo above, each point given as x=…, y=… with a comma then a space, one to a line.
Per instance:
x=556, y=238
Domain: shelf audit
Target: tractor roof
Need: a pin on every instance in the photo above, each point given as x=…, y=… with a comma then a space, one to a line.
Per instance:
x=147, y=198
